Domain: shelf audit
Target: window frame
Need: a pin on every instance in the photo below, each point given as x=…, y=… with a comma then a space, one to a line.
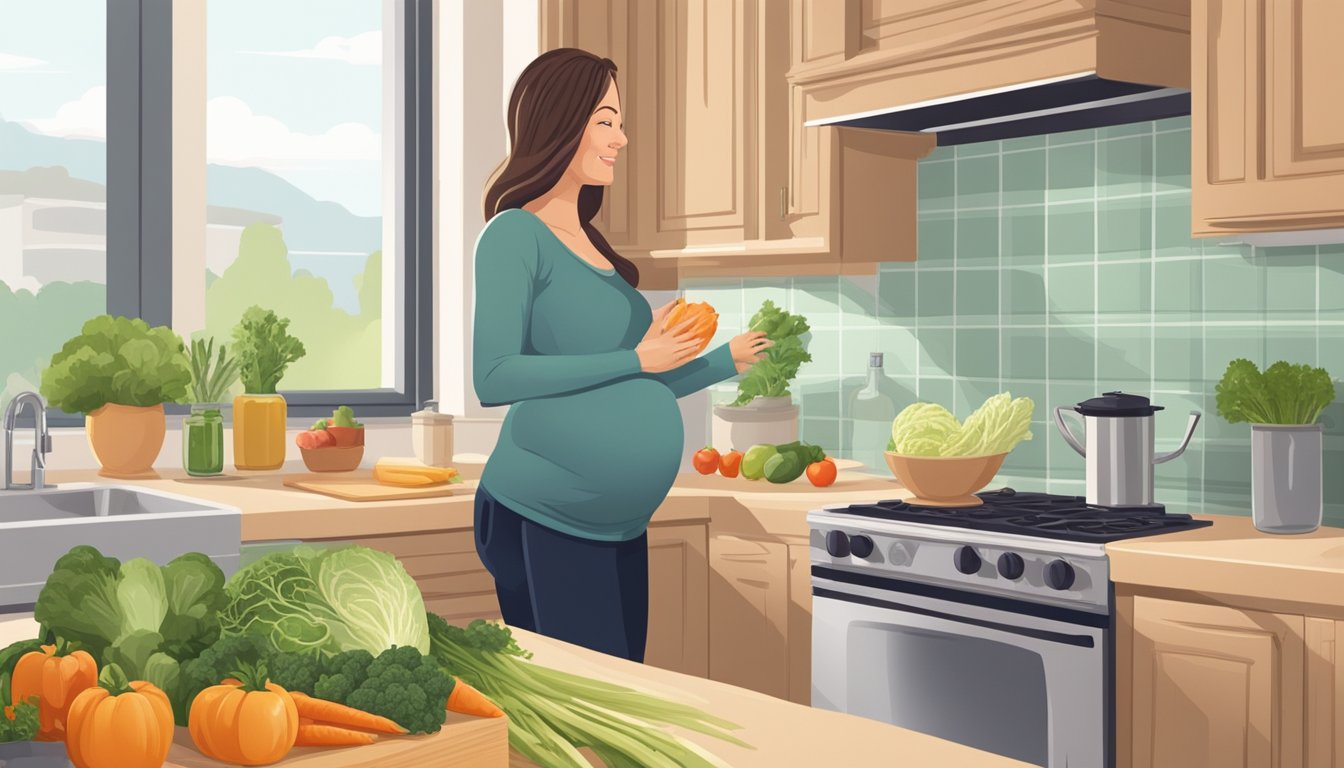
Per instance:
x=139, y=191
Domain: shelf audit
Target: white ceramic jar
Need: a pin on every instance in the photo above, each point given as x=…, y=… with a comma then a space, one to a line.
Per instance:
x=432, y=436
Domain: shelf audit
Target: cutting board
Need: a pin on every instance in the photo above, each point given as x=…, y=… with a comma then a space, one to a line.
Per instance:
x=464, y=742
x=359, y=485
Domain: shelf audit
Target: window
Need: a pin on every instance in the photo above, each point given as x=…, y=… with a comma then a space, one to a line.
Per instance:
x=302, y=136
x=254, y=152
x=53, y=181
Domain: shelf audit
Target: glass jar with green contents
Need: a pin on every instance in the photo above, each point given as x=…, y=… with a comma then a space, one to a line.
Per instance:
x=203, y=440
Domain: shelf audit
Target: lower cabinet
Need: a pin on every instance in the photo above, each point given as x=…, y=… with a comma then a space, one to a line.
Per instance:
x=1222, y=686
x=456, y=586
x=760, y=609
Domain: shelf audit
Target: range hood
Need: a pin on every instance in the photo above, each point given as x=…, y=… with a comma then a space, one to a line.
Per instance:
x=1068, y=103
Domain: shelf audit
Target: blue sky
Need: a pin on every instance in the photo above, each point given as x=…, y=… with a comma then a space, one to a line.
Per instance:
x=293, y=86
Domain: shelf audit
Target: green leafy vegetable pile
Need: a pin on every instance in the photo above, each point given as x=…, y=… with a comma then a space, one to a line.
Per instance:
x=771, y=376
x=264, y=349
x=327, y=601
x=927, y=429
x=145, y=618
x=1284, y=394
x=117, y=360
x=552, y=714
x=20, y=722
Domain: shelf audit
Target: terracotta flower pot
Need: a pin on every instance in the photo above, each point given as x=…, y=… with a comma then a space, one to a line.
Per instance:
x=126, y=439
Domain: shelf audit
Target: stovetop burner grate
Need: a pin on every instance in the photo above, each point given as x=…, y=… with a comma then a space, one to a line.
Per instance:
x=1036, y=514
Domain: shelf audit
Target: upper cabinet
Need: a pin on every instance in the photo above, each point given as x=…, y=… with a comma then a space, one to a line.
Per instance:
x=1267, y=121
x=721, y=177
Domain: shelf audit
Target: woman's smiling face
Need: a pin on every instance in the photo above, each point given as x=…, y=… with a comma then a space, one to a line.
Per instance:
x=595, y=160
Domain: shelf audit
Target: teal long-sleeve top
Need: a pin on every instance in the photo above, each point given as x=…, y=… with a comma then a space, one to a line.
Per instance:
x=590, y=445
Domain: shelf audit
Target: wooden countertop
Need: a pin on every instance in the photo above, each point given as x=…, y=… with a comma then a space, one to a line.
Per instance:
x=1231, y=557
x=273, y=511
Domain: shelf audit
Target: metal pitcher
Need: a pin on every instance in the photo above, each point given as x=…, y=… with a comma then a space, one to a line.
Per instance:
x=1120, y=454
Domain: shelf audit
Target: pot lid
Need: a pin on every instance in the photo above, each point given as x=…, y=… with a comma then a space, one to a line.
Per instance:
x=1117, y=404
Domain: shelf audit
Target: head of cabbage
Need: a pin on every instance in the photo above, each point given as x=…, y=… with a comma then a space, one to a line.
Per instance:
x=928, y=429
x=311, y=599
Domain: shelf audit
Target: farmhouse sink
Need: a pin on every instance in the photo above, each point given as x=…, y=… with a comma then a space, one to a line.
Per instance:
x=37, y=527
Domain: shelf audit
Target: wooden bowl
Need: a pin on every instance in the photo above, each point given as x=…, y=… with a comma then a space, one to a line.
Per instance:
x=945, y=481
x=332, y=458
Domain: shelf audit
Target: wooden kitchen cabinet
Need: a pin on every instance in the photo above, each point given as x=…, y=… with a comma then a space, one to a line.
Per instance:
x=721, y=178
x=749, y=614
x=1267, y=121
x=679, y=599
x=1211, y=685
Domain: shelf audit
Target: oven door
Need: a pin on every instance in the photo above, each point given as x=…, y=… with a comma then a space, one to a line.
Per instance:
x=1017, y=679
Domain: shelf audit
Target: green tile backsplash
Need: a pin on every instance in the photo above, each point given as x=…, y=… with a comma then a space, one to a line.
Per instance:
x=1059, y=267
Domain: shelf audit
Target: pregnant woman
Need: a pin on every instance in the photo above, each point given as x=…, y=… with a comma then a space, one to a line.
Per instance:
x=593, y=437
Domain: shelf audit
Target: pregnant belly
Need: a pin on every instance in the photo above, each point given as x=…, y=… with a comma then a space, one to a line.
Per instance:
x=630, y=431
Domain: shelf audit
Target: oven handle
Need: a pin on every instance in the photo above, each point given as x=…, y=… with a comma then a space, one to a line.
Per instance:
x=1081, y=641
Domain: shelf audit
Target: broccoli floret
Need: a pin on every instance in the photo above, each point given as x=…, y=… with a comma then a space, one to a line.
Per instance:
x=342, y=674
x=295, y=671
x=406, y=687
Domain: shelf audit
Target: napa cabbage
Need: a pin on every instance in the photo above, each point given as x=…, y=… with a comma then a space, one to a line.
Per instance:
x=327, y=601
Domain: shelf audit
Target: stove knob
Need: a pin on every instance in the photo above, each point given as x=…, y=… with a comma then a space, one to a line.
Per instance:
x=966, y=560
x=1059, y=575
x=1011, y=565
x=860, y=546
x=837, y=543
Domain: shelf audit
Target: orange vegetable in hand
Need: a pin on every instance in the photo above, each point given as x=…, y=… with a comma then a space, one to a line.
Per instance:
x=119, y=724
x=821, y=473
x=730, y=464
x=56, y=680
x=705, y=460
x=704, y=321
x=253, y=722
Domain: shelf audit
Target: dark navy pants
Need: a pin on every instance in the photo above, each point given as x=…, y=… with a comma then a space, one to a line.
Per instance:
x=586, y=592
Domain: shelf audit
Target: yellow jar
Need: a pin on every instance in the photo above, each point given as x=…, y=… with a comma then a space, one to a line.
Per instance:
x=259, y=431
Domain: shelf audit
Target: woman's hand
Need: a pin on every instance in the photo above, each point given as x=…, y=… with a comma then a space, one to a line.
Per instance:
x=748, y=349
x=664, y=350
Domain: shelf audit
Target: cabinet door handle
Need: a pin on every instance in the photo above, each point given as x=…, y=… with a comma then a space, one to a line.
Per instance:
x=783, y=202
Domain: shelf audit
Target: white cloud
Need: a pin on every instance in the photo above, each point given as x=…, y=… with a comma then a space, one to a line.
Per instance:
x=235, y=135
x=84, y=118
x=10, y=62
x=362, y=50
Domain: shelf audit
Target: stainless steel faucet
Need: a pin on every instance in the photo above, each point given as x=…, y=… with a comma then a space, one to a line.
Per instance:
x=41, y=442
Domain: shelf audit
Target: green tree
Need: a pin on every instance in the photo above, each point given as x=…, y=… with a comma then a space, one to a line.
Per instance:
x=46, y=319
x=343, y=350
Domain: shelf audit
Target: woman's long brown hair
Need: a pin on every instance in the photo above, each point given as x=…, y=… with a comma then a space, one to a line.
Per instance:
x=548, y=112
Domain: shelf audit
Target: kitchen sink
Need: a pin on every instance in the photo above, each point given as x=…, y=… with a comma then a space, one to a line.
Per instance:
x=37, y=527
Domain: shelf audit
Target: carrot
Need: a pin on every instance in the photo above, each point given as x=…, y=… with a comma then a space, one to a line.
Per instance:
x=322, y=711
x=331, y=736
x=469, y=701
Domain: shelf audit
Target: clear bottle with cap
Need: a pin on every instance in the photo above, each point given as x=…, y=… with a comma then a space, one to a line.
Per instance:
x=870, y=411
x=432, y=436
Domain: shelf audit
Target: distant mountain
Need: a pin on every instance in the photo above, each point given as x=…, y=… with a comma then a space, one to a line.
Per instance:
x=309, y=224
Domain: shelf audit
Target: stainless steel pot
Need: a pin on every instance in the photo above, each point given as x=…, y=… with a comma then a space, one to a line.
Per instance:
x=1119, y=452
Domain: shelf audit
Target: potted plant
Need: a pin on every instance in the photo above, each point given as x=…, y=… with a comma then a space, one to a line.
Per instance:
x=264, y=349
x=763, y=411
x=203, y=430
x=119, y=372
x=1282, y=405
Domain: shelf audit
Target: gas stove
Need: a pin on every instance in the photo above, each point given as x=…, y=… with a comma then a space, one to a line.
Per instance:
x=1035, y=547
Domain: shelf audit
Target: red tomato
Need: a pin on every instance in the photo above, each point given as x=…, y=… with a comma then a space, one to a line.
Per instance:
x=821, y=473
x=730, y=464
x=705, y=460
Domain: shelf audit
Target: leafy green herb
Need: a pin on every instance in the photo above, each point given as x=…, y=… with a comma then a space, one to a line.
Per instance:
x=264, y=349
x=552, y=714
x=20, y=721
x=770, y=376
x=117, y=360
x=1284, y=393
x=144, y=618
x=210, y=382
x=345, y=417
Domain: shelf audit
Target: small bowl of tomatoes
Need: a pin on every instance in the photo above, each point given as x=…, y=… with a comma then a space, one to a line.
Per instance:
x=333, y=445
